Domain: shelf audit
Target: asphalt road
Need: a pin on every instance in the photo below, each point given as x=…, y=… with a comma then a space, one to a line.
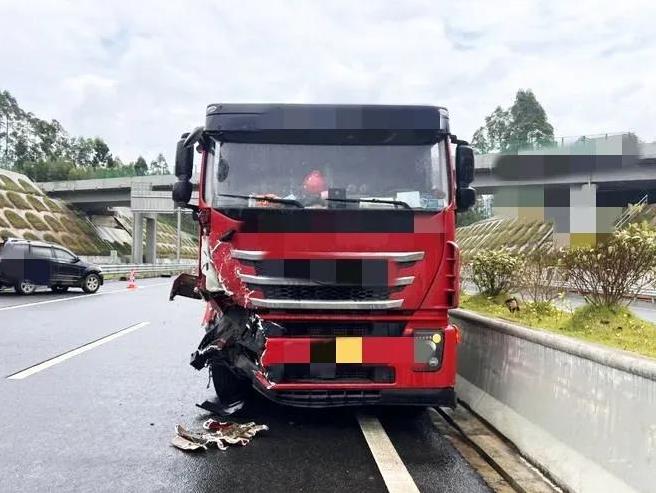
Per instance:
x=101, y=418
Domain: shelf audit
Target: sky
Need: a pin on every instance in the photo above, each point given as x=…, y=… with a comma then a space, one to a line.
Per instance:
x=139, y=73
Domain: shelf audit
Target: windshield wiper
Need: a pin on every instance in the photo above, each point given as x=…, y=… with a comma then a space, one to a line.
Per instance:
x=274, y=200
x=376, y=201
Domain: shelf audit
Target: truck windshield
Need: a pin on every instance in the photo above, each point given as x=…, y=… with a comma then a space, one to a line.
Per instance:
x=328, y=176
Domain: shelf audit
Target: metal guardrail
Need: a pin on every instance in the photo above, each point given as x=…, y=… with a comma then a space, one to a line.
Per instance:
x=146, y=268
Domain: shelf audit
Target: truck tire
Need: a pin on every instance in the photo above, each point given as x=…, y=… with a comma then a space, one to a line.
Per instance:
x=91, y=283
x=227, y=385
x=25, y=287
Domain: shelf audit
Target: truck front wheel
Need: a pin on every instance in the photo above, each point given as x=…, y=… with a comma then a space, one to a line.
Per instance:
x=228, y=386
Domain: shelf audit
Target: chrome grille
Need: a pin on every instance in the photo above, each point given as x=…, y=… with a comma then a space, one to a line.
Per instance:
x=331, y=293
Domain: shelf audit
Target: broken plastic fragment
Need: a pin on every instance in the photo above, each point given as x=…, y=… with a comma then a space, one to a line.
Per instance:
x=187, y=445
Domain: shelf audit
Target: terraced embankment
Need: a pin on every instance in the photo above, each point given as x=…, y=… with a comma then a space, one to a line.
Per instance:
x=25, y=212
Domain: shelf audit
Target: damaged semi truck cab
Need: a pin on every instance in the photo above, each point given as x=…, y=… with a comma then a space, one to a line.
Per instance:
x=328, y=259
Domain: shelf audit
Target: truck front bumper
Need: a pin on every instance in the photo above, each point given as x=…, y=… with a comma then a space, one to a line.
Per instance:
x=343, y=371
x=443, y=397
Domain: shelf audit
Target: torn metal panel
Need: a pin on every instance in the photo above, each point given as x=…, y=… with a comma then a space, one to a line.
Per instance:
x=213, y=282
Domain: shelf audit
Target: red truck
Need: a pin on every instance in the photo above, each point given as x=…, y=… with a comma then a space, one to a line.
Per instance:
x=328, y=259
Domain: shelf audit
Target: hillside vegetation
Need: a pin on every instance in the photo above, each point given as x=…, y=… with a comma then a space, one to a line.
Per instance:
x=25, y=212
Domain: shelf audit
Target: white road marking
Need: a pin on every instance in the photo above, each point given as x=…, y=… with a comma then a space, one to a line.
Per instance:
x=391, y=467
x=68, y=298
x=74, y=352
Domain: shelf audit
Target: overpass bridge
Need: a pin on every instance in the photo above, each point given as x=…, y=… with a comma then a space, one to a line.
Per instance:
x=581, y=187
x=146, y=196
x=97, y=195
x=614, y=163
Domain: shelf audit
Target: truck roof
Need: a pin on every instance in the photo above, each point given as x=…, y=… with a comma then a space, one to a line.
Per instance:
x=327, y=123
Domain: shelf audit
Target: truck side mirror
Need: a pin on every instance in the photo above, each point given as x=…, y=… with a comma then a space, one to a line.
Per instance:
x=465, y=195
x=464, y=165
x=465, y=198
x=184, y=158
x=184, y=168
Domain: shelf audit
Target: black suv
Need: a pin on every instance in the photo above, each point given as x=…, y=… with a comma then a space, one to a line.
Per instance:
x=28, y=264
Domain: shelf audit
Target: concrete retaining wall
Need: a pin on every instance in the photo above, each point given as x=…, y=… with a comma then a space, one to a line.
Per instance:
x=586, y=413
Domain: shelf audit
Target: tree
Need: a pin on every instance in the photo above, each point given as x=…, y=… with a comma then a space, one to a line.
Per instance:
x=44, y=151
x=159, y=166
x=140, y=166
x=523, y=125
x=101, y=154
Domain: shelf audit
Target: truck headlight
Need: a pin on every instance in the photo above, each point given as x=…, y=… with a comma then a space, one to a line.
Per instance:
x=428, y=349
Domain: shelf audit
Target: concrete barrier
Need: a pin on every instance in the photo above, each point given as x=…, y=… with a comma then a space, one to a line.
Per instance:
x=583, y=412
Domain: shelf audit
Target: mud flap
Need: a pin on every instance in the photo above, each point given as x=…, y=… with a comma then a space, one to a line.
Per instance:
x=185, y=285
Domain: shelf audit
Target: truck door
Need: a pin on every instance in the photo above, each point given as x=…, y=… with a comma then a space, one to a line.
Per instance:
x=69, y=271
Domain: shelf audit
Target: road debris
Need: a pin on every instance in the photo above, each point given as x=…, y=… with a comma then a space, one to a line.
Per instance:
x=220, y=409
x=215, y=433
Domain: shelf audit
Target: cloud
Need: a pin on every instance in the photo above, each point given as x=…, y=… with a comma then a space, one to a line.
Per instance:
x=140, y=73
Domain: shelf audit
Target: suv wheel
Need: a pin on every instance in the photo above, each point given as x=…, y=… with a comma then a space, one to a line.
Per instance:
x=91, y=283
x=25, y=287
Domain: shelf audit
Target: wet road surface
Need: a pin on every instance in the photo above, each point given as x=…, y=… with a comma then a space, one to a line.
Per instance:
x=101, y=419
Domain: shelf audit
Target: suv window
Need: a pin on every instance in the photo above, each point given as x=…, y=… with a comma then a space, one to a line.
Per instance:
x=13, y=250
x=41, y=251
x=64, y=255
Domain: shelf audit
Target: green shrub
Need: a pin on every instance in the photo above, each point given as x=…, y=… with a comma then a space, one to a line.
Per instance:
x=70, y=225
x=54, y=224
x=612, y=273
x=496, y=271
x=15, y=220
x=50, y=238
x=5, y=233
x=36, y=222
x=52, y=205
x=539, y=279
x=29, y=188
x=3, y=223
x=71, y=243
x=9, y=184
x=30, y=236
x=36, y=203
x=3, y=201
x=18, y=200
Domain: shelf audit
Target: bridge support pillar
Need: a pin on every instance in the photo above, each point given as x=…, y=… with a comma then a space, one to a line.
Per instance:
x=137, y=237
x=151, y=239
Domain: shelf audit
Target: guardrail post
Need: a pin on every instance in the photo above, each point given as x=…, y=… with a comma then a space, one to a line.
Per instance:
x=177, y=234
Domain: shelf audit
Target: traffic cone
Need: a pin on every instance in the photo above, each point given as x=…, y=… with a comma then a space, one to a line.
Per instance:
x=131, y=283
